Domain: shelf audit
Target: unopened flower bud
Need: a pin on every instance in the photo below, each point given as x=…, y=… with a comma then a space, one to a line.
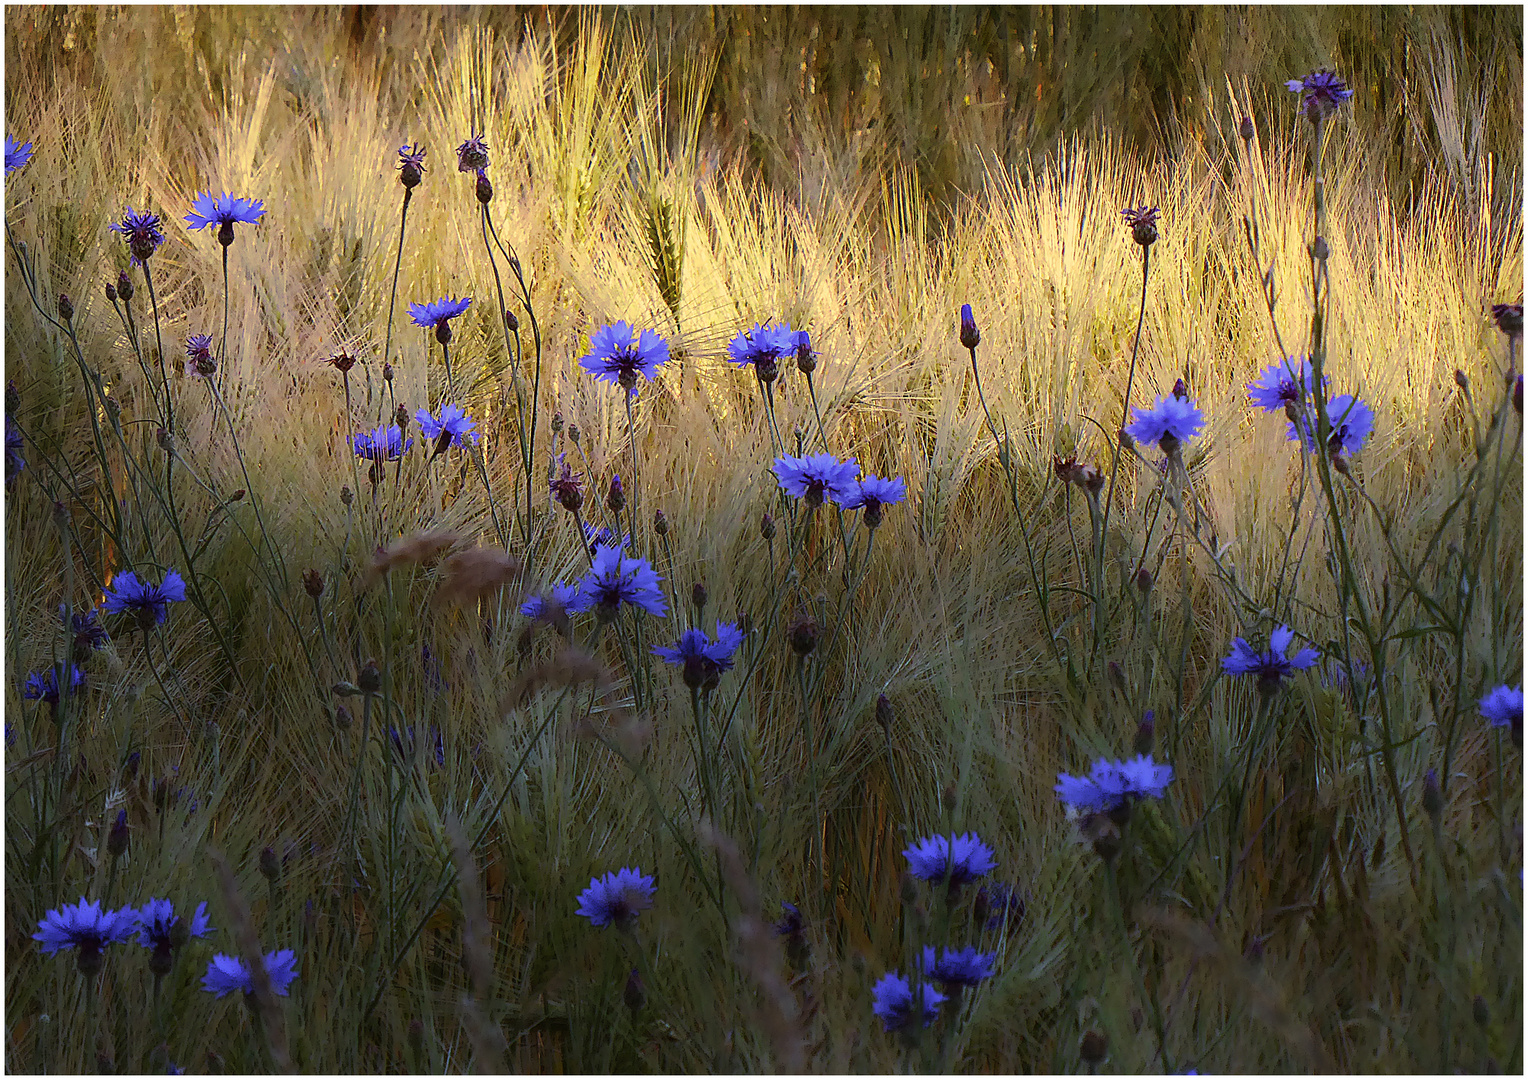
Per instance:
x=1244, y=129
x=1461, y=380
x=970, y=336
x=270, y=864
x=573, y=433
x=1146, y=733
x=698, y=596
x=484, y=188
x=511, y=321
x=884, y=714
x=111, y=292
x=1094, y=1047
x=116, y=840
x=313, y=582
x=1143, y=580
x=65, y=307
x=443, y=331
x=387, y=372
x=803, y=635
x=416, y=1035
x=615, y=498
x=1320, y=250
x=634, y=995
x=342, y=718
x=370, y=678
x=556, y=423
x=346, y=495
x=1116, y=674
x=401, y=418
x=165, y=440
x=660, y=523
x=1480, y=1012
x=806, y=359
x=767, y=527
x=1432, y=796
x=124, y=285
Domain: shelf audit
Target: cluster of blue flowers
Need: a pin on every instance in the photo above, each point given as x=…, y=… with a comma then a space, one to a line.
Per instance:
x=88, y=928
x=816, y=478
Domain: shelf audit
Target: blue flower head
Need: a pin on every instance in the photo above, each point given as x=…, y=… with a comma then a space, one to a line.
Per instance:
x=149, y=602
x=1111, y=784
x=1322, y=92
x=817, y=477
x=87, y=927
x=16, y=154
x=957, y=968
x=892, y=1001
x=960, y=859
x=1173, y=418
x=703, y=660
x=1284, y=383
x=142, y=233
x=452, y=428
x=1503, y=706
x=163, y=931
x=548, y=605
x=618, y=898
x=763, y=347
x=43, y=685
x=1271, y=666
x=222, y=211
x=614, y=580
x=439, y=313
x=225, y=974
x=998, y=905
x=472, y=155
x=602, y=536
x=618, y=354
x=874, y=493
x=383, y=444
x=1352, y=422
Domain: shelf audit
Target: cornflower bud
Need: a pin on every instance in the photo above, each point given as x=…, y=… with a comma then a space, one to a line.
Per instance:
x=615, y=499
x=698, y=596
x=1094, y=1047
x=511, y=321
x=1145, y=733
x=660, y=524
x=313, y=582
x=1320, y=250
x=1461, y=380
x=111, y=292
x=116, y=840
x=387, y=372
x=342, y=718
x=270, y=864
x=573, y=433
x=125, y=287
x=803, y=635
x=346, y=495
x=484, y=188
x=1244, y=129
x=970, y=336
x=634, y=995
x=883, y=713
x=767, y=527
x=370, y=678
x=1432, y=796
x=556, y=423
x=65, y=307
x=1143, y=580
x=401, y=418
x=165, y=440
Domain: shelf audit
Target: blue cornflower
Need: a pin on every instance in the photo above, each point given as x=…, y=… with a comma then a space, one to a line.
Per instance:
x=163, y=931
x=548, y=605
x=875, y=492
x=957, y=968
x=1323, y=91
x=597, y=536
x=450, y=429
x=150, y=603
x=142, y=233
x=962, y=859
x=1172, y=420
x=16, y=154
x=1282, y=384
x=222, y=211
x=763, y=346
x=43, y=685
x=472, y=155
x=225, y=974
x=1111, y=783
x=618, y=354
x=199, y=355
x=970, y=336
x=818, y=476
x=613, y=580
x=86, y=927
x=892, y=1001
x=618, y=897
x=383, y=444
x=14, y=462
x=1503, y=706
x=1271, y=666
x=439, y=313
x=1352, y=421
x=702, y=659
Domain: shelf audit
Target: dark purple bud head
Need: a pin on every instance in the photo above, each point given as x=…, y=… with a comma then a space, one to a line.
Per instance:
x=387, y=372
x=970, y=336
x=615, y=498
x=1461, y=380
x=225, y=233
x=767, y=527
x=124, y=285
x=556, y=423
x=1146, y=733
x=511, y=321
x=1244, y=129
x=1143, y=580
x=346, y=495
x=883, y=713
x=1432, y=796
x=1094, y=1047
x=484, y=188
x=313, y=582
x=270, y=864
x=803, y=635
x=634, y=995
x=660, y=523
x=698, y=596
x=369, y=679
x=111, y=292
x=65, y=307
x=401, y=418
x=116, y=840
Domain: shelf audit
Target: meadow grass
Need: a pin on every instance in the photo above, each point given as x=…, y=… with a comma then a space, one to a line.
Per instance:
x=1290, y=904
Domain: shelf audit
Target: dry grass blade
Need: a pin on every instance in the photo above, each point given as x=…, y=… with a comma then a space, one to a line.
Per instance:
x=420, y=547
x=488, y=1042
x=471, y=575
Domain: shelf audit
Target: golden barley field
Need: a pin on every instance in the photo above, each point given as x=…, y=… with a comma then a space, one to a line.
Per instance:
x=400, y=712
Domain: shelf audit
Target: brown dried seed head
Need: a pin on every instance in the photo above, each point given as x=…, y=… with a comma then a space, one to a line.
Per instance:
x=417, y=548
x=475, y=573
